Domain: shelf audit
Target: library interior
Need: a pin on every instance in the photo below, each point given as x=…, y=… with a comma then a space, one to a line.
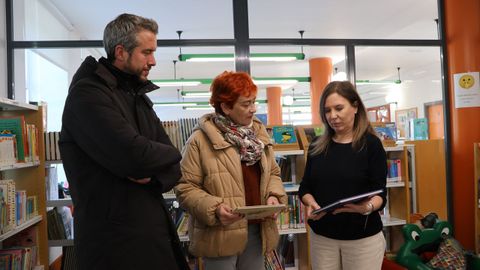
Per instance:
x=415, y=65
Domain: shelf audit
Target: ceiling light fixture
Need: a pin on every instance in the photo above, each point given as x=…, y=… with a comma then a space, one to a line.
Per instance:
x=173, y=104
x=181, y=82
x=195, y=103
x=280, y=80
x=364, y=82
x=255, y=57
x=195, y=94
x=339, y=76
x=198, y=108
x=258, y=81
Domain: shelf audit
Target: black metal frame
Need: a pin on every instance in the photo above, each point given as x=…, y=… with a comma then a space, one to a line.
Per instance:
x=242, y=44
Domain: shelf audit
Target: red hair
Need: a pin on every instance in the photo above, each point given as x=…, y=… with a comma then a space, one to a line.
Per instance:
x=228, y=86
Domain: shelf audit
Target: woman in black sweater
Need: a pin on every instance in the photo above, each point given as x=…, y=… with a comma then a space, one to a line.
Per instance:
x=345, y=161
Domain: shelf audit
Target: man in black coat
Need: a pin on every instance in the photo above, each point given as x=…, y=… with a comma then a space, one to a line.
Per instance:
x=118, y=158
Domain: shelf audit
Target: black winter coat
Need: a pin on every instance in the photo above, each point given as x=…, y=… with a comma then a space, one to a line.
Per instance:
x=110, y=132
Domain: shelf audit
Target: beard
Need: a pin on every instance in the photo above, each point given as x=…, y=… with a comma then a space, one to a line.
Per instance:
x=137, y=71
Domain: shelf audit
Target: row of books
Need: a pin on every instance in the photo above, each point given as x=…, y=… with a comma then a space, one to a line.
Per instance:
x=20, y=251
x=272, y=261
x=15, y=206
x=19, y=258
x=285, y=164
x=294, y=216
x=51, y=183
x=179, y=131
x=18, y=141
x=52, y=152
x=60, y=223
x=394, y=170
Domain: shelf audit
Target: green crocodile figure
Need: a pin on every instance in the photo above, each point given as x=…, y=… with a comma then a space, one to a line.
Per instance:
x=418, y=241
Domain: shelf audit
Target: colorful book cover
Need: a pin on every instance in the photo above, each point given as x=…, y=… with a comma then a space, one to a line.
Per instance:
x=419, y=128
x=385, y=131
x=284, y=134
x=15, y=125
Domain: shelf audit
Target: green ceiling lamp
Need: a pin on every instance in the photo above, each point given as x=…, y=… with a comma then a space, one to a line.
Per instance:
x=195, y=94
x=386, y=82
x=195, y=103
x=181, y=82
x=254, y=57
x=280, y=80
x=365, y=82
x=257, y=81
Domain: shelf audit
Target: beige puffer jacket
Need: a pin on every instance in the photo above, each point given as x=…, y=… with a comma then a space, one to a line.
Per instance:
x=212, y=174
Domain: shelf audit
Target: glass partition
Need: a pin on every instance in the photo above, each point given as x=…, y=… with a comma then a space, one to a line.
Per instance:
x=370, y=19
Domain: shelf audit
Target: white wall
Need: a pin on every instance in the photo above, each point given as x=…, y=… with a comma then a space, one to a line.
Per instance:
x=413, y=94
x=3, y=51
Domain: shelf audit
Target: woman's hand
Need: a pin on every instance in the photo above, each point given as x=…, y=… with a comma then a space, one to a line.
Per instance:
x=225, y=215
x=363, y=207
x=272, y=200
x=310, y=205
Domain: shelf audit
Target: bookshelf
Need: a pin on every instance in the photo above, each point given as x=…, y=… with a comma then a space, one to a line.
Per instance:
x=295, y=156
x=476, y=180
x=29, y=176
x=397, y=210
x=430, y=187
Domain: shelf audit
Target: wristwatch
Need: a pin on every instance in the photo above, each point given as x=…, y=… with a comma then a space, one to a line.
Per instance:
x=370, y=209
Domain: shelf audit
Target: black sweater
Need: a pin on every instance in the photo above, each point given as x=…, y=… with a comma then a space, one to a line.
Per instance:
x=343, y=172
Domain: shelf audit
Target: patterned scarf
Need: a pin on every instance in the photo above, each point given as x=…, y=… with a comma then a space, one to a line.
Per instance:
x=243, y=137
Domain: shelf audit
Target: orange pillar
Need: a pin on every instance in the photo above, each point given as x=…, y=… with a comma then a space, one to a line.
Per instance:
x=462, y=24
x=320, y=75
x=274, y=105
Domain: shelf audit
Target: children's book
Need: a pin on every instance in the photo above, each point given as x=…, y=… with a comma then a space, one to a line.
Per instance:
x=419, y=129
x=386, y=131
x=259, y=211
x=16, y=125
x=342, y=202
x=284, y=134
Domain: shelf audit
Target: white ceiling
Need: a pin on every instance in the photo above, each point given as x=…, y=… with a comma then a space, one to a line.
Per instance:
x=213, y=19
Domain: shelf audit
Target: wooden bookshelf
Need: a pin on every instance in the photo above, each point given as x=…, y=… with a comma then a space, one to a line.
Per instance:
x=297, y=153
x=29, y=176
x=431, y=187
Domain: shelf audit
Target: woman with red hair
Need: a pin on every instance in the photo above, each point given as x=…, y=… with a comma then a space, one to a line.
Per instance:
x=228, y=162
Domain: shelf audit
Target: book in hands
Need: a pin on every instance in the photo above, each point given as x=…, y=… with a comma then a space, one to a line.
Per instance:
x=342, y=202
x=259, y=211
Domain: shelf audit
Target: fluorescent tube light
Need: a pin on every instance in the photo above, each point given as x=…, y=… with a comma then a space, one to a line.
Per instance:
x=198, y=108
x=166, y=83
x=222, y=57
x=195, y=94
x=172, y=104
x=365, y=82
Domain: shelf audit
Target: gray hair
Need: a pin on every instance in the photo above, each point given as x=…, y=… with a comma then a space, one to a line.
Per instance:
x=123, y=31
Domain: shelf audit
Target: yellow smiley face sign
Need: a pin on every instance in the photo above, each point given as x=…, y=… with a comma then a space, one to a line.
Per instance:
x=466, y=81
